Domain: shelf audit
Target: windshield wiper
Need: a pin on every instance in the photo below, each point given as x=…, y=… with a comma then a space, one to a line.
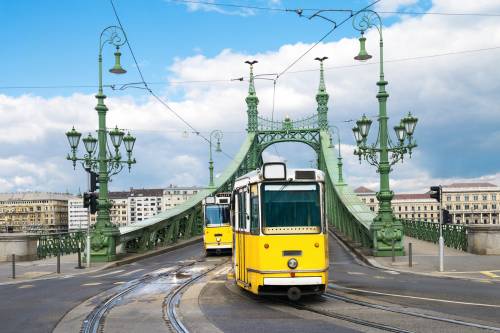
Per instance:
x=285, y=185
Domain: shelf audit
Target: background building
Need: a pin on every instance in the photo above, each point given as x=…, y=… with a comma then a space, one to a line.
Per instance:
x=119, y=210
x=144, y=203
x=468, y=203
x=34, y=212
x=472, y=203
x=174, y=196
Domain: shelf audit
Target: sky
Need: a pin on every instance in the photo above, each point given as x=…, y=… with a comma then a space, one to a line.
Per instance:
x=442, y=68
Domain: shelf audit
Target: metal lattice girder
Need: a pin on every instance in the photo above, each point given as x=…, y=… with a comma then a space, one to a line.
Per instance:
x=310, y=137
x=345, y=210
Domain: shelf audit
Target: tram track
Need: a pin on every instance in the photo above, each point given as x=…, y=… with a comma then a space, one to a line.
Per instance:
x=94, y=322
x=350, y=319
x=172, y=301
x=330, y=296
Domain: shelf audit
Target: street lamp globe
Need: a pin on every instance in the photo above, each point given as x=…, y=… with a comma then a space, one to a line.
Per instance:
x=364, y=125
x=409, y=123
x=362, y=55
x=73, y=138
x=117, y=68
x=128, y=142
x=90, y=144
x=357, y=135
x=400, y=132
x=116, y=136
x=217, y=148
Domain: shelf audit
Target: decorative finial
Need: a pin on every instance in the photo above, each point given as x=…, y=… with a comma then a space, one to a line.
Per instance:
x=251, y=87
x=322, y=87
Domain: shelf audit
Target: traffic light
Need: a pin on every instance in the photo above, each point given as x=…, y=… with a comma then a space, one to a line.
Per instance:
x=86, y=199
x=93, y=203
x=446, y=217
x=435, y=193
x=90, y=201
x=94, y=180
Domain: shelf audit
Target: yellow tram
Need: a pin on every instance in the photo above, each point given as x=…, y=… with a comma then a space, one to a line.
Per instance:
x=217, y=230
x=280, y=231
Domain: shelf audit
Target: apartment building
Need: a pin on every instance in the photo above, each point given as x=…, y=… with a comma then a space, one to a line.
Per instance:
x=34, y=211
x=144, y=203
x=468, y=203
x=175, y=195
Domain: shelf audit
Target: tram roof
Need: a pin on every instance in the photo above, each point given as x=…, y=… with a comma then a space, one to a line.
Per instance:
x=291, y=174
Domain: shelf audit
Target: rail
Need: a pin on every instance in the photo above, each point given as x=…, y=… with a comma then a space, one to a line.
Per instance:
x=454, y=235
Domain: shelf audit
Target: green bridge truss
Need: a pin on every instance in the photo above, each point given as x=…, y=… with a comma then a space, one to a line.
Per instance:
x=345, y=212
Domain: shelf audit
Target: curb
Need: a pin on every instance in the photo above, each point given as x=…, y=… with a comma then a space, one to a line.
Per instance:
x=121, y=262
x=374, y=264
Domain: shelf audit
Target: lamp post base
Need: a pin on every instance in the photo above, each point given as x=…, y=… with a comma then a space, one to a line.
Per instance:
x=103, y=244
x=387, y=239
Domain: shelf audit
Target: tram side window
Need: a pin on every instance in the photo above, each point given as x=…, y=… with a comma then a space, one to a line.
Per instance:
x=242, y=221
x=254, y=211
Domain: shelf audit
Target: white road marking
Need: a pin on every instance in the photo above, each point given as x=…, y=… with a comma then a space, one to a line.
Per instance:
x=132, y=272
x=391, y=272
x=110, y=273
x=421, y=298
x=92, y=284
x=119, y=282
x=24, y=286
x=356, y=273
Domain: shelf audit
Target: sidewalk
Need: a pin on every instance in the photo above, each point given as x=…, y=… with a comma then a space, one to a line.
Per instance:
x=456, y=263
x=44, y=268
x=47, y=268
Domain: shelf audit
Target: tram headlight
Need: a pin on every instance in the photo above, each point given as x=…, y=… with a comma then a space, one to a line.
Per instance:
x=217, y=239
x=293, y=263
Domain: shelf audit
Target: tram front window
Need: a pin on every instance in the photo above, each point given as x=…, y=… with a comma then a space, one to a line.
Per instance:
x=291, y=208
x=216, y=215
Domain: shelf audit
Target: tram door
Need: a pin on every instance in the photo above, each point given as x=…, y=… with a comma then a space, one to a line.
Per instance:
x=241, y=235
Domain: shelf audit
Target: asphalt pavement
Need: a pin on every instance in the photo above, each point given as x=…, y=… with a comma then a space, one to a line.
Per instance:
x=38, y=305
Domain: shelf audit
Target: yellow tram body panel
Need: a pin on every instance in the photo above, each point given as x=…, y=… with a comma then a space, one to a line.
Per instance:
x=259, y=266
x=220, y=237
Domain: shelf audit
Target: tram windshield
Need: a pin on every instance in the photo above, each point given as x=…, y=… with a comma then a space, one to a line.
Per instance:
x=291, y=205
x=216, y=215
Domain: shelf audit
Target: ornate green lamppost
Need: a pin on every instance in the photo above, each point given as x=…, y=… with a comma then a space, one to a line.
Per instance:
x=339, y=157
x=217, y=135
x=387, y=231
x=108, y=161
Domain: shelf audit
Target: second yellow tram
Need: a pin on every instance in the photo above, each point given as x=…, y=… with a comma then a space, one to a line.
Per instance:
x=280, y=232
x=217, y=230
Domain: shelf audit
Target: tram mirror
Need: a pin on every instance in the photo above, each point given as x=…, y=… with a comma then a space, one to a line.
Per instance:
x=210, y=200
x=274, y=170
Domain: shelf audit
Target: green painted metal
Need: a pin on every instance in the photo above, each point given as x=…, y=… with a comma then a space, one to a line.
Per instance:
x=387, y=231
x=455, y=235
x=107, y=163
x=64, y=243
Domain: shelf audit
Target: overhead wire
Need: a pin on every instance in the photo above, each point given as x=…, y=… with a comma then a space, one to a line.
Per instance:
x=396, y=60
x=335, y=26
x=151, y=92
x=234, y=5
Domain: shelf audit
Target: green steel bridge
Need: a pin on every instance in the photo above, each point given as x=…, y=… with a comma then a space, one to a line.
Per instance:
x=345, y=212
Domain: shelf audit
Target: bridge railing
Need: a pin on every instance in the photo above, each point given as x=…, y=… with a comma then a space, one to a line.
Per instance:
x=454, y=235
x=49, y=245
x=344, y=210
